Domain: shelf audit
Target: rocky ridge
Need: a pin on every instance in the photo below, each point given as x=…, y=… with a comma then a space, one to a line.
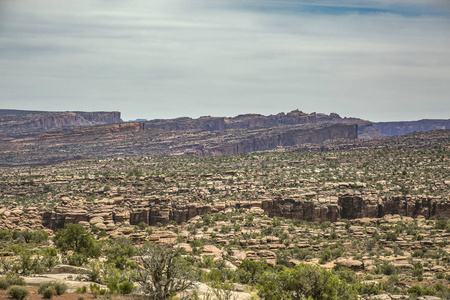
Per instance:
x=401, y=128
x=133, y=139
x=249, y=121
x=20, y=123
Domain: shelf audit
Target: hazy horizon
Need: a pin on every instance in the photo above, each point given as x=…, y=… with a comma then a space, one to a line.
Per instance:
x=377, y=60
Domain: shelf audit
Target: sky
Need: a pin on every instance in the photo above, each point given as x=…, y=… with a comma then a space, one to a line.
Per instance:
x=380, y=60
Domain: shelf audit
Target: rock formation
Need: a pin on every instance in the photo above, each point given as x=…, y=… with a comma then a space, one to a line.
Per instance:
x=20, y=123
x=133, y=139
x=401, y=128
x=249, y=121
x=330, y=209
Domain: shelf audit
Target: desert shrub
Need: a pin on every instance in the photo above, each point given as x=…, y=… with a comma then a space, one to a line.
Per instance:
x=225, y=229
x=391, y=236
x=249, y=271
x=125, y=287
x=345, y=274
x=59, y=287
x=418, y=270
x=75, y=237
x=6, y=235
x=441, y=223
x=119, y=253
x=303, y=281
x=81, y=289
x=11, y=279
x=328, y=254
x=418, y=291
x=77, y=259
x=440, y=275
x=417, y=253
x=325, y=225
x=142, y=225
x=302, y=254
x=368, y=288
x=17, y=292
x=386, y=269
x=49, y=292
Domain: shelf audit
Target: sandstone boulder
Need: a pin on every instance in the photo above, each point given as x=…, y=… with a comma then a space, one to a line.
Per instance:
x=212, y=250
x=96, y=220
x=59, y=269
x=352, y=264
x=269, y=256
x=126, y=230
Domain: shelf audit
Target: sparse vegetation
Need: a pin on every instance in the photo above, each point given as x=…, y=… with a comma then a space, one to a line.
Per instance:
x=243, y=222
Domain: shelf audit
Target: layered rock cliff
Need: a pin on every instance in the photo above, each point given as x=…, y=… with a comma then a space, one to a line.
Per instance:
x=20, y=124
x=246, y=121
x=402, y=128
x=251, y=121
x=132, y=139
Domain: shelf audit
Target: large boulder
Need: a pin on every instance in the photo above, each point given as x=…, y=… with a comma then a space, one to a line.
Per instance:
x=269, y=256
x=352, y=264
x=212, y=250
x=66, y=269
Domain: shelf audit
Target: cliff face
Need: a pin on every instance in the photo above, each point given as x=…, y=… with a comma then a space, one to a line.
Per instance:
x=401, y=128
x=251, y=121
x=355, y=207
x=132, y=139
x=262, y=140
x=247, y=121
x=20, y=124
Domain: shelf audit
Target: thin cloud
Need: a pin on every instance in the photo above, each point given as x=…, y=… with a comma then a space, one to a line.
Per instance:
x=163, y=59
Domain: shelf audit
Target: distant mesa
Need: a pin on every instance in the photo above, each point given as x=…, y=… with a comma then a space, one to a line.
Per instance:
x=23, y=123
x=137, y=120
x=402, y=128
x=249, y=121
x=39, y=137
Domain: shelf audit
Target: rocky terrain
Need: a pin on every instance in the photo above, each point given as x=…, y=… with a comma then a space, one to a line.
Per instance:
x=377, y=216
x=245, y=206
x=22, y=123
x=310, y=186
x=401, y=128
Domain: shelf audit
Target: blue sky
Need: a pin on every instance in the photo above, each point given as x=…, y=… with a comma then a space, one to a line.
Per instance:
x=379, y=60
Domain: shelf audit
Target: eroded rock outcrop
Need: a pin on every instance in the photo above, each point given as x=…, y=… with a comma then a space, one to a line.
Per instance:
x=331, y=209
x=20, y=123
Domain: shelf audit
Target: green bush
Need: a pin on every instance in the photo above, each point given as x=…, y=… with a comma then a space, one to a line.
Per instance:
x=81, y=289
x=368, y=288
x=125, y=287
x=3, y=284
x=249, y=271
x=419, y=291
x=49, y=292
x=59, y=287
x=11, y=279
x=386, y=269
x=441, y=223
x=301, y=282
x=17, y=292
x=418, y=270
x=75, y=237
